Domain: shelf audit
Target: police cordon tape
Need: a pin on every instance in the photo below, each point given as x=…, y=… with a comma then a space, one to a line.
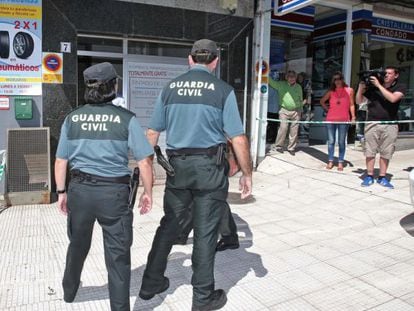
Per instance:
x=337, y=122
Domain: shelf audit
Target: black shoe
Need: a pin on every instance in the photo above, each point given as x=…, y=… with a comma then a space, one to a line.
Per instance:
x=147, y=296
x=70, y=297
x=222, y=245
x=291, y=152
x=181, y=240
x=218, y=300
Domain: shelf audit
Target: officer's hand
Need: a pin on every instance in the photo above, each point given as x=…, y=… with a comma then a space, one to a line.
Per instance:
x=145, y=203
x=62, y=199
x=245, y=186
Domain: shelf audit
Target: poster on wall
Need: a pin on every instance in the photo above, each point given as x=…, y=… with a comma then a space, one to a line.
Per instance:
x=146, y=78
x=52, y=64
x=147, y=75
x=21, y=47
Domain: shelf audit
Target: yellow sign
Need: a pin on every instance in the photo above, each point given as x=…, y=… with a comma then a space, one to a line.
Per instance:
x=20, y=11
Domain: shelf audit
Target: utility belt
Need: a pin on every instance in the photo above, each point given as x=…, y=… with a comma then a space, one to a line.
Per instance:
x=75, y=173
x=217, y=150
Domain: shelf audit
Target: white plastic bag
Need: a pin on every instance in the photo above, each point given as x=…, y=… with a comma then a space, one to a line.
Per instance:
x=2, y=163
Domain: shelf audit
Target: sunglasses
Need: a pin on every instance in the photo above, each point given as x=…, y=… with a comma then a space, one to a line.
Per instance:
x=337, y=78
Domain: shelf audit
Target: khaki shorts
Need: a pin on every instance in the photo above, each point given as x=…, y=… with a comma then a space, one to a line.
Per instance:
x=380, y=138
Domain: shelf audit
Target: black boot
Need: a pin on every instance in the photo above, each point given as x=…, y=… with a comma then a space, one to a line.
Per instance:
x=224, y=244
x=217, y=301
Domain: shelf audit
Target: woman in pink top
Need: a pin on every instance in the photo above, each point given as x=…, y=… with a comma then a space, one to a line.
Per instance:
x=341, y=107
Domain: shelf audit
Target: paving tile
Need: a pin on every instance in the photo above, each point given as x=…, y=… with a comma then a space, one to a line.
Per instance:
x=299, y=282
x=351, y=265
x=321, y=252
x=326, y=273
x=297, y=304
x=388, y=283
x=268, y=292
x=408, y=298
x=348, y=295
x=393, y=305
x=309, y=240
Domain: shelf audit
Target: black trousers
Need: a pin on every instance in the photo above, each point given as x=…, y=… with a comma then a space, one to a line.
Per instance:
x=272, y=127
x=107, y=203
x=227, y=227
x=200, y=181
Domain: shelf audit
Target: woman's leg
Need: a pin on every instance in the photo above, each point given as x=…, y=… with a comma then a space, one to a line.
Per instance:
x=331, y=129
x=342, y=132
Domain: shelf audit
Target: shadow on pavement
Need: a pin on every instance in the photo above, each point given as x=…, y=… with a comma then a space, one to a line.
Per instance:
x=231, y=266
x=234, y=198
x=322, y=156
x=407, y=223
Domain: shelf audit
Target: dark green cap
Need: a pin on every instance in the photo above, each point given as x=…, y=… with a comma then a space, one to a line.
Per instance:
x=102, y=72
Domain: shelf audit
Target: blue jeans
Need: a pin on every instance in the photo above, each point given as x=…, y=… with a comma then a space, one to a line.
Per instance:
x=342, y=131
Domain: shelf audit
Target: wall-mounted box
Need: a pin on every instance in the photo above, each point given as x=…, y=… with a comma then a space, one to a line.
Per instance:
x=23, y=108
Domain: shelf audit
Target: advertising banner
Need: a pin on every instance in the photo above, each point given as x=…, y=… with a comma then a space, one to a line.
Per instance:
x=20, y=47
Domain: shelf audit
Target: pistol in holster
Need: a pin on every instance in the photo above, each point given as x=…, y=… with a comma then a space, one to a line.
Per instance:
x=221, y=150
x=133, y=184
x=161, y=160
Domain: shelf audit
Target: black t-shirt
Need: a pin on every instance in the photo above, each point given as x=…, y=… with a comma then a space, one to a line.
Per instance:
x=379, y=108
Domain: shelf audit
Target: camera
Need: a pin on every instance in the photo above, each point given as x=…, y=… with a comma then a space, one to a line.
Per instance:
x=364, y=76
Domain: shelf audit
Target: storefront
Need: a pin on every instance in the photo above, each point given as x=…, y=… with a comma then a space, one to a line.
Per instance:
x=350, y=37
x=148, y=44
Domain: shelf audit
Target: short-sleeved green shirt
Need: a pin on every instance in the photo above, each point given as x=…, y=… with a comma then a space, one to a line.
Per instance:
x=290, y=96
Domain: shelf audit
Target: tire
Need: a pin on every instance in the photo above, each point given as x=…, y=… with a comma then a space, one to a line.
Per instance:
x=23, y=45
x=4, y=44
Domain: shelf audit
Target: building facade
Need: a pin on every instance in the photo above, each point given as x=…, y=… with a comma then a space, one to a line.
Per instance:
x=46, y=44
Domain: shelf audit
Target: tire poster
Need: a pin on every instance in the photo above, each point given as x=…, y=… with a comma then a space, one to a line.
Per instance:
x=21, y=47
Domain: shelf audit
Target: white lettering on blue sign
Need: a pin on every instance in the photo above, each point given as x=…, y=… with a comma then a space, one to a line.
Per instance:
x=388, y=23
x=95, y=122
x=191, y=88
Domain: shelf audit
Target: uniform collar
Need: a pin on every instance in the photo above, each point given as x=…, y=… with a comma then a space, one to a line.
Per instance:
x=200, y=68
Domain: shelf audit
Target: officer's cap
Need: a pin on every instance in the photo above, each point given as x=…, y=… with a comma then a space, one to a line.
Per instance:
x=204, y=46
x=101, y=72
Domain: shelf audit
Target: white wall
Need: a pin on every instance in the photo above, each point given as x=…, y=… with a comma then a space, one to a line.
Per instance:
x=244, y=7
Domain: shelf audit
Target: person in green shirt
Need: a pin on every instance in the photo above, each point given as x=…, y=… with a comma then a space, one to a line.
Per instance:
x=291, y=104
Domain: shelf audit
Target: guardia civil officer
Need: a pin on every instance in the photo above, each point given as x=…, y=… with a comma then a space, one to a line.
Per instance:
x=94, y=141
x=197, y=111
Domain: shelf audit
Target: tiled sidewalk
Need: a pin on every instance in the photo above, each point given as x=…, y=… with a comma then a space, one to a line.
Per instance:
x=311, y=239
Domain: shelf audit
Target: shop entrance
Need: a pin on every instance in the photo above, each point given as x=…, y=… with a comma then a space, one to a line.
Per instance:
x=312, y=42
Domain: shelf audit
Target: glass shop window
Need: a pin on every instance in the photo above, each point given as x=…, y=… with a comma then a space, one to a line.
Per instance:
x=158, y=49
x=289, y=51
x=109, y=45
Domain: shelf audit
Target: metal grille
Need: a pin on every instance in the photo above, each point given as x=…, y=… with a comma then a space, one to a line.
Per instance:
x=28, y=160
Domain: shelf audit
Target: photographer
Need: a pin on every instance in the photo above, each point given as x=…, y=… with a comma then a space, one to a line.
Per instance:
x=383, y=102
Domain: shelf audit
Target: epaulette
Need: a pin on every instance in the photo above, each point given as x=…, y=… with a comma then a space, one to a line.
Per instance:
x=126, y=110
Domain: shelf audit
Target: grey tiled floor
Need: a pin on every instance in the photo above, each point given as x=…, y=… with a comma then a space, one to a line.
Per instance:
x=311, y=239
